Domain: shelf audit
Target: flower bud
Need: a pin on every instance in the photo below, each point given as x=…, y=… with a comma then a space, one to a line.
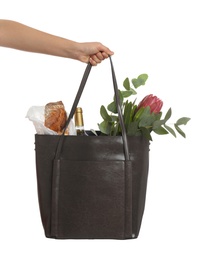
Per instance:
x=151, y=101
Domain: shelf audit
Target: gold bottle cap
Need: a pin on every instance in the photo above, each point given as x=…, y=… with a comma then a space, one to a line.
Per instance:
x=79, y=117
x=79, y=109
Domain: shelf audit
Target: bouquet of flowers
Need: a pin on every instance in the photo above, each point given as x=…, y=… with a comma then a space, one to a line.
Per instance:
x=142, y=118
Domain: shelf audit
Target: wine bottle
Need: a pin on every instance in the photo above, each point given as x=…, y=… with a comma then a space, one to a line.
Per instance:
x=79, y=123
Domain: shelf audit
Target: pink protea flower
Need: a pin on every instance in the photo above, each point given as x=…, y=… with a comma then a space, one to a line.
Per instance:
x=153, y=102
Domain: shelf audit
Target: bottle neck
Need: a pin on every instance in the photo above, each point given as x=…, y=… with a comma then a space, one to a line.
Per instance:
x=79, y=123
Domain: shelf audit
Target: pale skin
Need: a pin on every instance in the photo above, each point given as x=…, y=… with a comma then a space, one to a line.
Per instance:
x=22, y=37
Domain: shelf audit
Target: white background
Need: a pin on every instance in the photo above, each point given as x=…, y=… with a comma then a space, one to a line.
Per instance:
x=160, y=38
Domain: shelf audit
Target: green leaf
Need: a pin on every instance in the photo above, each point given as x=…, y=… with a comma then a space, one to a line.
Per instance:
x=120, y=97
x=139, y=113
x=112, y=107
x=170, y=130
x=142, y=112
x=104, y=114
x=133, y=91
x=105, y=127
x=157, y=124
x=179, y=130
x=140, y=80
x=146, y=112
x=127, y=93
x=168, y=115
x=146, y=133
x=126, y=84
x=127, y=113
x=160, y=131
x=114, y=118
x=182, y=121
x=132, y=129
x=158, y=116
x=146, y=122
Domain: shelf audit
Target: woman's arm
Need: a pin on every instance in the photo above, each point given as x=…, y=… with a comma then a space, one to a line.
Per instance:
x=19, y=36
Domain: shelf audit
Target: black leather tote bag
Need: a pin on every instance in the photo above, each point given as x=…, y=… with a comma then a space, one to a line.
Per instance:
x=92, y=187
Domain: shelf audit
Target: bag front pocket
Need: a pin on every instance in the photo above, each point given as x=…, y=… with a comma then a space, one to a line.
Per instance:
x=88, y=199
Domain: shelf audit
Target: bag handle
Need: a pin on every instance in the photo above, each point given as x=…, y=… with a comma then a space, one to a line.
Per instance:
x=76, y=101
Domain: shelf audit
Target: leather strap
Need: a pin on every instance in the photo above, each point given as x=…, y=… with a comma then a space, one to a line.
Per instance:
x=76, y=101
x=120, y=116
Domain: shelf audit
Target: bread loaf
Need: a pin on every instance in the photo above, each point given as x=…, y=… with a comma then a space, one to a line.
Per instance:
x=55, y=116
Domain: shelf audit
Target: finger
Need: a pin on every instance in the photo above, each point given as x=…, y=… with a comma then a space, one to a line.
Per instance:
x=96, y=59
x=93, y=63
x=105, y=55
x=99, y=56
